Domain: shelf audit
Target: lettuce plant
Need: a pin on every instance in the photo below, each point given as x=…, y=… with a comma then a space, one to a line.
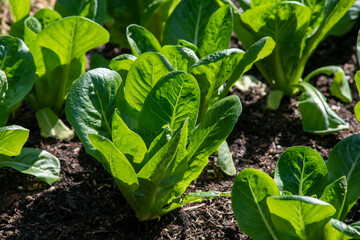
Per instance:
x=297, y=27
x=152, y=146
x=307, y=199
x=17, y=74
x=58, y=46
x=215, y=67
x=36, y=162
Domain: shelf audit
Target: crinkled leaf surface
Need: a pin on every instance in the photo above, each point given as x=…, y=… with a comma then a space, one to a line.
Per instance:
x=142, y=76
x=301, y=171
x=173, y=99
x=90, y=105
x=249, y=193
x=18, y=64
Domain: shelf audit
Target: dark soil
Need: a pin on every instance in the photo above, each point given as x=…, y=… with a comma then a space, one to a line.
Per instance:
x=86, y=204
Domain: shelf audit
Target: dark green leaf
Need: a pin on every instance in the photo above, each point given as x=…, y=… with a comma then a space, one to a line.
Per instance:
x=249, y=193
x=90, y=105
x=301, y=171
x=18, y=64
x=335, y=194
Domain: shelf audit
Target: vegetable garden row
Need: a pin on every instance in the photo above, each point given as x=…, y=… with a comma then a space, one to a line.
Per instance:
x=154, y=116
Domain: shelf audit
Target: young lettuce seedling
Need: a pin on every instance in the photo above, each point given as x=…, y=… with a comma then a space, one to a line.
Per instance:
x=58, y=46
x=307, y=199
x=17, y=75
x=297, y=27
x=218, y=68
x=152, y=145
x=36, y=162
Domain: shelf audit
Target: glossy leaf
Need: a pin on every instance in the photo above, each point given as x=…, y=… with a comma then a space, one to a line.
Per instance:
x=141, y=40
x=66, y=37
x=348, y=232
x=287, y=24
x=38, y=163
x=152, y=173
x=188, y=20
x=344, y=160
x=91, y=103
x=317, y=116
x=18, y=64
x=299, y=217
x=249, y=193
x=63, y=47
x=142, y=76
x=128, y=142
x=12, y=139
x=301, y=171
x=173, y=99
x=51, y=126
x=211, y=72
x=217, y=32
x=181, y=58
x=123, y=170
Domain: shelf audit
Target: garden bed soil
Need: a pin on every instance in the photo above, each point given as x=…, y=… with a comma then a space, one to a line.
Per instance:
x=86, y=203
